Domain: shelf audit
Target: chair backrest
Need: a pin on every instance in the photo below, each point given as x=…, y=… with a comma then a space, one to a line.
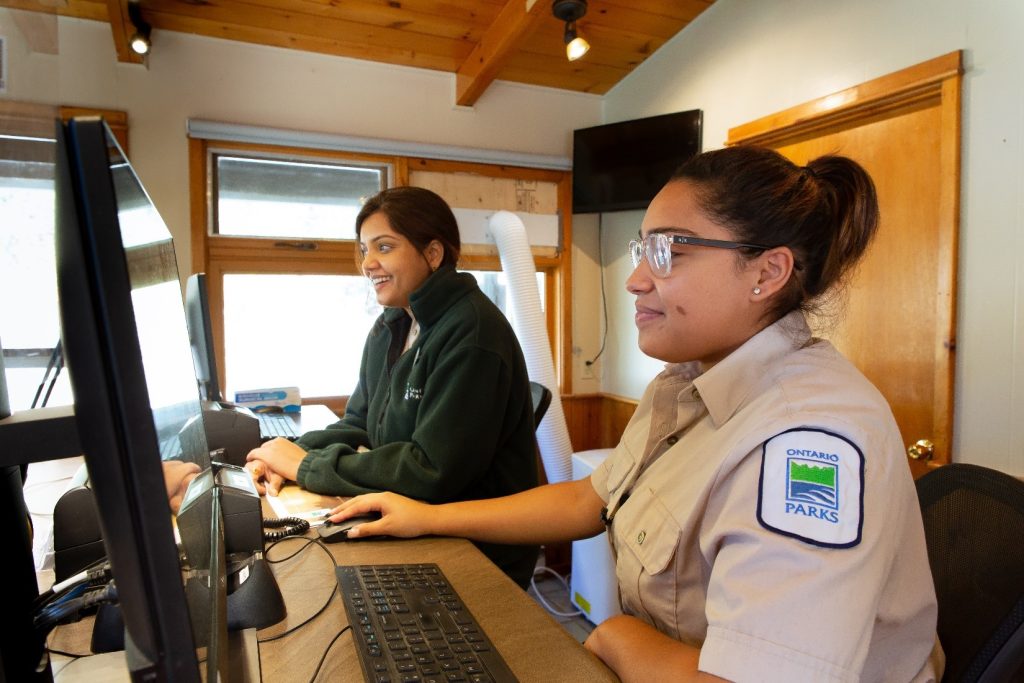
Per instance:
x=974, y=528
x=541, y=397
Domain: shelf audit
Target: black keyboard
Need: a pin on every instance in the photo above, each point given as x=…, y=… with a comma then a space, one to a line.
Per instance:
x=275, y=424
x=409, y=626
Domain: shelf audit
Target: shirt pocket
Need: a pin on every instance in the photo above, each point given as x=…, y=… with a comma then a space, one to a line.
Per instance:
x=647, y=538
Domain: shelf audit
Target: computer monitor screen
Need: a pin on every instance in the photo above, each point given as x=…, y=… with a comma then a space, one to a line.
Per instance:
x=200, y=335
x=136, y=403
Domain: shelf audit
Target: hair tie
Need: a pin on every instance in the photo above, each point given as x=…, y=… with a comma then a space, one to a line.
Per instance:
x=808, y=172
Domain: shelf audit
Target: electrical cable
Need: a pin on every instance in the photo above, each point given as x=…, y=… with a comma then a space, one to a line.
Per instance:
x=95, y=574
x=604, y=298
x=292, y=526
x=323, y=657
x=309, y=541
x=540, y=598
x=71, y=609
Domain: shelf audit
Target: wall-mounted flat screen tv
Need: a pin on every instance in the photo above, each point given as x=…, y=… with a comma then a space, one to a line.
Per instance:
x=621, y=166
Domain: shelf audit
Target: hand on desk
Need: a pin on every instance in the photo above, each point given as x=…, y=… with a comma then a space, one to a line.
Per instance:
x=177, y=476
x=274, y=463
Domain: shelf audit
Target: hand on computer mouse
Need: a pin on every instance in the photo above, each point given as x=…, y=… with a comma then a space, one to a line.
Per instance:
x=331, y=532
x=399, y=516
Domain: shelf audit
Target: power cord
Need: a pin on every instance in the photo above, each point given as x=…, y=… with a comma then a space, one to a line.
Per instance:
x=604, y=299
x=540, y=598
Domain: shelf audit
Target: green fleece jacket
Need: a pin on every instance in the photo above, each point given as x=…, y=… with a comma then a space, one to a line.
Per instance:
x=450, y=419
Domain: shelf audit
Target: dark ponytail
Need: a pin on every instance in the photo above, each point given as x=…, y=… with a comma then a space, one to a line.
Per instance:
x=825, y=212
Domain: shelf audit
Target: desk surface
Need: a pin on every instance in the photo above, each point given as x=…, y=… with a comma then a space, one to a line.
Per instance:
x=534, y=645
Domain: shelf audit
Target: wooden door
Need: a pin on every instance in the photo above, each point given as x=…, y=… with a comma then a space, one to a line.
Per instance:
x=896, y=322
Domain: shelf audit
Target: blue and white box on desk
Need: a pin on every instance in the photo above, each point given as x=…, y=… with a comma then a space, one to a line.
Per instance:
x=286, y=399
x=593, y=584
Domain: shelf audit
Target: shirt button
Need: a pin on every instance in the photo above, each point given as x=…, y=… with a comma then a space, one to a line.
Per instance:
x=640, y=537
x=671, y=441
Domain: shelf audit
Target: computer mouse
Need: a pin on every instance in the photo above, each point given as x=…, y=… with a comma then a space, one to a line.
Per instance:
x=332, y=532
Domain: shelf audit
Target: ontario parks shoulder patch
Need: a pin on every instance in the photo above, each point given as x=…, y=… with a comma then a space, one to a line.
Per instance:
x=812, y=488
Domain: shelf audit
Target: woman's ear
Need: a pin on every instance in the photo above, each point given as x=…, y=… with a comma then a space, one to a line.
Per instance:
x=435, y=254
x=774, y=268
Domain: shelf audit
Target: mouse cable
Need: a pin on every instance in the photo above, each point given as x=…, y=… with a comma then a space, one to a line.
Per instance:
x=334, y=591
x=323, y=657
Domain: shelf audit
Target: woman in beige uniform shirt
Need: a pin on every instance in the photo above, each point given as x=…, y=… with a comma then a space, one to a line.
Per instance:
x=763, y=518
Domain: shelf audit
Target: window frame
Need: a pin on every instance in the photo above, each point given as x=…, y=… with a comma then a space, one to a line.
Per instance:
x=218, y=255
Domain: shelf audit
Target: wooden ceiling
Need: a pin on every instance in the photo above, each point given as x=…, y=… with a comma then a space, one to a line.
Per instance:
x=479, y=40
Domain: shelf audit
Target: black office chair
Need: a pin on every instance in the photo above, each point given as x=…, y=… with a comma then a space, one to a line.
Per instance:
x=541, y=397
x=974, y=528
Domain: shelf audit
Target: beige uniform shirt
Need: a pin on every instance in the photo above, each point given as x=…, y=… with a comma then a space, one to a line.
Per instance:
x=764, y=511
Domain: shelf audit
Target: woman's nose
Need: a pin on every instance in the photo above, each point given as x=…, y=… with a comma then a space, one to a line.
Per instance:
x=640, y=280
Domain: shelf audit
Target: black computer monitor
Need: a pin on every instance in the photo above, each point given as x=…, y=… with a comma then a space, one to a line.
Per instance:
x=136, y=404
x=200, y=336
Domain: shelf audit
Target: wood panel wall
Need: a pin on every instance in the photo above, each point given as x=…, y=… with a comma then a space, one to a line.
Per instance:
x=596, y=420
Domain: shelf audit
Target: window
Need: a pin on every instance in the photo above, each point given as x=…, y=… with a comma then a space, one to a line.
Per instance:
x=266, y=197
x=29, y=317
x=29, y=323
x=276, y=239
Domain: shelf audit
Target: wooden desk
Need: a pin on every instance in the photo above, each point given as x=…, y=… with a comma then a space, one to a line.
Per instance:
x=533, y=644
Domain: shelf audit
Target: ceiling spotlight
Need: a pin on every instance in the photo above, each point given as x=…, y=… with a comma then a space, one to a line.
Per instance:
x=140, y=42
x=569, y=11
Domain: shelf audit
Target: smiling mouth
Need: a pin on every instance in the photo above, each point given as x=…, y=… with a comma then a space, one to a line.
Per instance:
x=378, y=280
x=644, y=315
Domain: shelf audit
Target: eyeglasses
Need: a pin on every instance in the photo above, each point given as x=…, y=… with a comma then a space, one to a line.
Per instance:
x=658, y=246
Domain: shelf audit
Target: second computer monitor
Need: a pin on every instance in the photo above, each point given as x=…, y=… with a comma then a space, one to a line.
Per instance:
x=200, y=336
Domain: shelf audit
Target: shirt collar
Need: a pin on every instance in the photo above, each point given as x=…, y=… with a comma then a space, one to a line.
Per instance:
x=725, y=387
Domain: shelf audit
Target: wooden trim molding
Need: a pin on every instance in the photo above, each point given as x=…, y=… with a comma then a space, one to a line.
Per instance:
x=920, y=82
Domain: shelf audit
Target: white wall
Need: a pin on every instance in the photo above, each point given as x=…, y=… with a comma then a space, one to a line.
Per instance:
x=742, y=60
x=195, y=77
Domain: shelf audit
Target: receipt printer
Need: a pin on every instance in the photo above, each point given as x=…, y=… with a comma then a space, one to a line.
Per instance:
x=231, y=427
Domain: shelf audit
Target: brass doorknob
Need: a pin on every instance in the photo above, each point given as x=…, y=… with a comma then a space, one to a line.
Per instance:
x=923, y=449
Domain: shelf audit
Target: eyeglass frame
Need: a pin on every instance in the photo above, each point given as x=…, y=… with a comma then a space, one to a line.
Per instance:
x=671, y=239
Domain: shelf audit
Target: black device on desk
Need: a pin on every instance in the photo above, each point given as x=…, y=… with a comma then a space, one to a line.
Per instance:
x=409, y=624
x=126, y=343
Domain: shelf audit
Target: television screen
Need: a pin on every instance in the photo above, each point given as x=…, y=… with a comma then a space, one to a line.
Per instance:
x=621, y=166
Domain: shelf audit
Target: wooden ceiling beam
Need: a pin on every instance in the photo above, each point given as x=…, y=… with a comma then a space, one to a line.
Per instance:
x=122, y=28
x=515, y=20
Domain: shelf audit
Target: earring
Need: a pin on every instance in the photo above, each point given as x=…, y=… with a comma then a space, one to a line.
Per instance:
x=757, y=290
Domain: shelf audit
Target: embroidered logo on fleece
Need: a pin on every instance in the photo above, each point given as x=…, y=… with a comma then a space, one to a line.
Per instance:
x=412, y=393
x=811, y=488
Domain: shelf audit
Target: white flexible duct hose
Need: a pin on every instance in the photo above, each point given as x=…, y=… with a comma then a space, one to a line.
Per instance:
x=530, y=327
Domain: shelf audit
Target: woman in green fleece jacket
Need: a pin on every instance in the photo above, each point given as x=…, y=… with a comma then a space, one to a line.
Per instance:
x=442, y=410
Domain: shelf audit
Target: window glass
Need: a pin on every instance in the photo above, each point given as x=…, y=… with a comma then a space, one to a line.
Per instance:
x=296, y=330
x=29, y=321
x=495, y=285
x=308, y=330
x=261, y=197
